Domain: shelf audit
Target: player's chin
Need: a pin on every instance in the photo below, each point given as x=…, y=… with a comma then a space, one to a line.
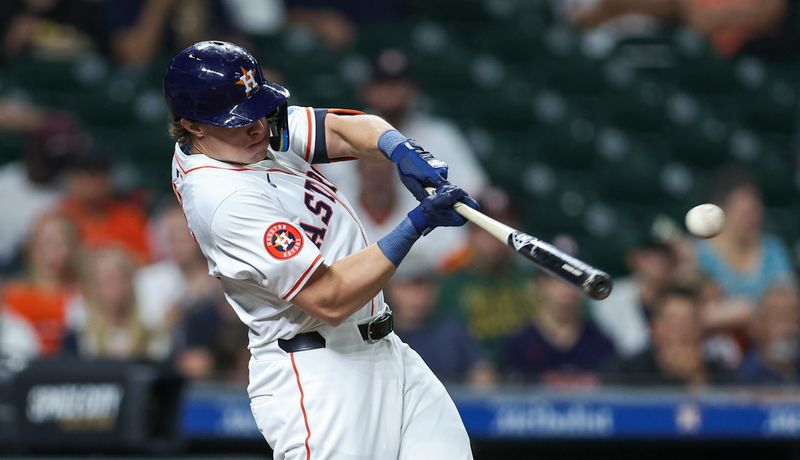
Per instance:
x=258, y=149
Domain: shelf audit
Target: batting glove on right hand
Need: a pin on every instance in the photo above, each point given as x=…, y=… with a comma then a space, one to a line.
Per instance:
x=418, y=168
x=437, y=210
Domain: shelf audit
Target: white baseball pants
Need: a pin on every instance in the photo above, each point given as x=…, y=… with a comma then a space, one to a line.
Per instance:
x=353, y=401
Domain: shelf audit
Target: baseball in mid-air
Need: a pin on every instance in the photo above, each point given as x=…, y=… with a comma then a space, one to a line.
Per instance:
x=705, y=220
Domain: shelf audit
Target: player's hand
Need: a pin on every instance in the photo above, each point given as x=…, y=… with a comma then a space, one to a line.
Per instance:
x=437, y=210
x=418, y=168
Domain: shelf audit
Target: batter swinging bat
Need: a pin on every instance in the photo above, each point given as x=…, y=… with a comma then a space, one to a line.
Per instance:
x=595, y=283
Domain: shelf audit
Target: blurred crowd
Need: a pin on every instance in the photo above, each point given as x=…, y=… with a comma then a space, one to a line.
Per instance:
x=88, y=271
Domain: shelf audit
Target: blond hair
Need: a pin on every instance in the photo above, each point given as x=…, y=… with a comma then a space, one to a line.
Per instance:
x=177, y=132
x=98, y=329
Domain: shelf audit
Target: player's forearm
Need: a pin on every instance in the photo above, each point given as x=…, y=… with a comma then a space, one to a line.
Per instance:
x=337, y=291
x=139, y=42
x=754, y=16
x=732, y=314
x=607, y=10
x=354, y=136
x=661, y=9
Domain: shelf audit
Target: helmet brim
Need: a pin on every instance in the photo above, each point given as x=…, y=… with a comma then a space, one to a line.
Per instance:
x=264, y=101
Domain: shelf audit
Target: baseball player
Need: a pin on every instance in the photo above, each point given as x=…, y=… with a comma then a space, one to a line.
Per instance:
x=328, y=377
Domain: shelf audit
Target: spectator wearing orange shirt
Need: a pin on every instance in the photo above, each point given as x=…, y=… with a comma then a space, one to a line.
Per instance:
x=42, y=294
x=102, y=218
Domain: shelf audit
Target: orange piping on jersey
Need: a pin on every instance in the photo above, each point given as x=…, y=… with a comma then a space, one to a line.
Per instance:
x=336, y=160
x=302, y=406
x=358, y=222
x=345, y=112
x=325, y=186
x=302, y=278
x=177, y=193
x=308, y=144
x=187, y=171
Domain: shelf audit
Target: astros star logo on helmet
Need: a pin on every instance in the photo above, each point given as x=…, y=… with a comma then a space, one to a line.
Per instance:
x=283, y=241
x=247, y=80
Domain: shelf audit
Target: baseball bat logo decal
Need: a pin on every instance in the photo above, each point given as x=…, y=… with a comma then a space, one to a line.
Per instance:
x=283, y=241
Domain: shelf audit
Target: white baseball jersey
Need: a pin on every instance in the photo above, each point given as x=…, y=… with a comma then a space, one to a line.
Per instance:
x=266, y=227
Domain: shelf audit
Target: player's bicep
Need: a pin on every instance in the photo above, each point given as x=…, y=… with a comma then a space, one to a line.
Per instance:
x=353, y=136
x=311, y=298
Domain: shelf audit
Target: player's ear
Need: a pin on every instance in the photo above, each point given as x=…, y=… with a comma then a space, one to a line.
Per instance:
x=194, y=128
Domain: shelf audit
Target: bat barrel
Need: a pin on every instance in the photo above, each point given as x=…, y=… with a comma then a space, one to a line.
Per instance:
x=595, y=283
x=598, y=285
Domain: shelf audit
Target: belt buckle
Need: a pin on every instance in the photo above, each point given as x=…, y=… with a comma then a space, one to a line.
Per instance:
x=369, y=332
x=379, y=320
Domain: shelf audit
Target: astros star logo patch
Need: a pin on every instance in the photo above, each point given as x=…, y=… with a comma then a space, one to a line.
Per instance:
x=247, y=80
x=283, y=241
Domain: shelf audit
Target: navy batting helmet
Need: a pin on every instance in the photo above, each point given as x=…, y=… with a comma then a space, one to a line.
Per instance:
x=222, y=84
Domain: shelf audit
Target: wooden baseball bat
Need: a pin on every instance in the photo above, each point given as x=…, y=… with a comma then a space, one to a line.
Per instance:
x=595, y=283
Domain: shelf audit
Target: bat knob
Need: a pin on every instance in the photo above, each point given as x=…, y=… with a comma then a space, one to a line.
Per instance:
x=599, y=286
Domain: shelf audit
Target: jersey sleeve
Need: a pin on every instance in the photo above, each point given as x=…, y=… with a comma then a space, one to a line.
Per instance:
x=307, y=134
x=255, y=239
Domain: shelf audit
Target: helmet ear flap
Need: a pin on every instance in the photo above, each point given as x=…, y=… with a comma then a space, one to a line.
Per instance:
x=279, y=129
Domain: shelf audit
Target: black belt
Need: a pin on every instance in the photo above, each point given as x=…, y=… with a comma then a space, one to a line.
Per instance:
x=371, y=332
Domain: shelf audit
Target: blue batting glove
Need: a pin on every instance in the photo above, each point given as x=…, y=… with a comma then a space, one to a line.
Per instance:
x=437, y=210
x=417, y=167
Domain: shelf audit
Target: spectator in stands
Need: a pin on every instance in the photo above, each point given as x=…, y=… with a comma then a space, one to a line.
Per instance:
x=111, y=327
x=761, y=26
x=392, y=93
x=775, y=357
x=337, y=23
x=442, y=342
x=559, y=346
x=210, y=342
x=195, y=337
x=177, y=296
x=141, y=29
x=268, y=19
x=29, y=186
x=624, y=315
x=742, y=260
x=18, y=339
x=381, y=206
x=488, y=292
x=42, y=294
x=179, y=278
x=101, y=217
x=61, y=28
x=675, y=355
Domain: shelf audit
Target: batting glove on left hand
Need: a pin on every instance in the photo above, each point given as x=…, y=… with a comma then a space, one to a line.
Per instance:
x=437, y=210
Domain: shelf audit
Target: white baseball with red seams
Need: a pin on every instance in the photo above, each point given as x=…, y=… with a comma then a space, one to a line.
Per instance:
x=264, y=228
